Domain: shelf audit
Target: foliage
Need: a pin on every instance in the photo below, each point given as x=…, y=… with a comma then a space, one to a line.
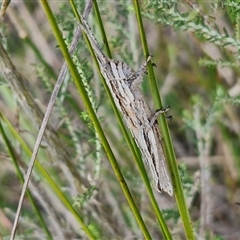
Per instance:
x=86, y=180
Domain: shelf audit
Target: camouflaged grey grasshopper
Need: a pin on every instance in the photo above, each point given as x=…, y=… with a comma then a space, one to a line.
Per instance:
x=124, y=84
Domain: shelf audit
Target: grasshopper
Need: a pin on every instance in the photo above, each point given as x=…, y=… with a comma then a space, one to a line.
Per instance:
x=124, y=84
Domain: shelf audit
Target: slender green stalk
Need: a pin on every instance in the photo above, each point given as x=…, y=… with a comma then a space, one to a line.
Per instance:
x=95, y=5
x=14, y=157
x=93, y=117
x=47, y=177
x=167, y=143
